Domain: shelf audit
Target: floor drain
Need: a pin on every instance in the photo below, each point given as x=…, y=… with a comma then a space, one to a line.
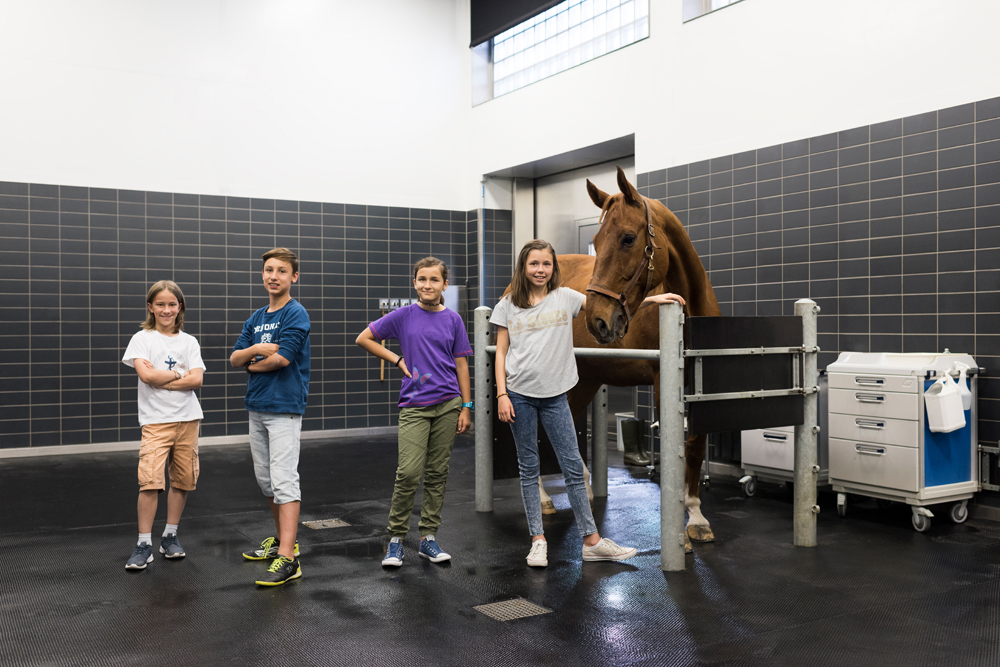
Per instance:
x=509, y=610
x=325, y=523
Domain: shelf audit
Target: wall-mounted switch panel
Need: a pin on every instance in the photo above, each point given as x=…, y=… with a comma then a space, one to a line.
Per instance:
x=383, y=304
x=393, y=304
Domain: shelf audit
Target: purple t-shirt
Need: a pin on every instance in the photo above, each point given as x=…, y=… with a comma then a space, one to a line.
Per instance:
x=430, y=341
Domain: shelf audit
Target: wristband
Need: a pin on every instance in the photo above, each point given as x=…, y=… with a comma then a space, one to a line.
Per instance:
x=398, y=359
x=471, y=405
x=499, y=396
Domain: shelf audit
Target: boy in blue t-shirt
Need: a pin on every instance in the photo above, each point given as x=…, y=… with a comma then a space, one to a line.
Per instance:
x=274, y=349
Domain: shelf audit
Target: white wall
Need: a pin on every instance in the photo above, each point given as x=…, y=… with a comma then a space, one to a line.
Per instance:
x=370, y=102
x=342, y=101
x=752, y=75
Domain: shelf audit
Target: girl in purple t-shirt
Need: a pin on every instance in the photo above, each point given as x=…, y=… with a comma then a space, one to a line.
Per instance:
x=435, y=403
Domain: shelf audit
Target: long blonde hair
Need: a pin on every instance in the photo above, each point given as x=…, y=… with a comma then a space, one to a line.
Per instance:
x=520, y=290
x=169, y=286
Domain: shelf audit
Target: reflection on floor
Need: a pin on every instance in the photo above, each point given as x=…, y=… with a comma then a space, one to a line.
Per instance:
x=874, y=592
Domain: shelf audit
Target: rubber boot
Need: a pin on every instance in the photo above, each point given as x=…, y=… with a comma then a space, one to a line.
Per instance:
x=633, y=433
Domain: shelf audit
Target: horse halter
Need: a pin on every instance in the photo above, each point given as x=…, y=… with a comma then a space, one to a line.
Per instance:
x=647, y=258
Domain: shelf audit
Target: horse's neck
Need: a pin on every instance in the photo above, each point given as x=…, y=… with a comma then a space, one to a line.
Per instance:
x=686, y=275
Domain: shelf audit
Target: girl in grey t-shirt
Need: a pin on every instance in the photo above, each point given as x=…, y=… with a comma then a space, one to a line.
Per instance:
x=535, y=367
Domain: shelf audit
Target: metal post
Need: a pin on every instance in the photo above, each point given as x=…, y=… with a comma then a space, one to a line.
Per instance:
x=599, y=443
x=671, y=437
x=484, y=412
x=806, y=468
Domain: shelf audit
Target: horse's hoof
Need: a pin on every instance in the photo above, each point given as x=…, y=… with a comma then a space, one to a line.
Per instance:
x=700, y=533
x=688, y=549
x=548, y=507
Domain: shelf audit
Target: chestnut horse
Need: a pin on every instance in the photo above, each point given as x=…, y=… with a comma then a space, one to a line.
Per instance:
x=636, y=233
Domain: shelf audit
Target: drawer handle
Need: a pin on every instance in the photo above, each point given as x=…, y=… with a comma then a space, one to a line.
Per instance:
x=869, y=381
x=870, y=398
x=777, y=437
x=869, y=450
x=869, y=423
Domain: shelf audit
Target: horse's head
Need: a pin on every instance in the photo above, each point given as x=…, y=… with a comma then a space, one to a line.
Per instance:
x=626, y=243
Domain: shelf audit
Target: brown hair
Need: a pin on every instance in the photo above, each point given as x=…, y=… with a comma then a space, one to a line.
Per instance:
x=284, y=255
x=169, y=286
x=428, y=262
x=520, y=291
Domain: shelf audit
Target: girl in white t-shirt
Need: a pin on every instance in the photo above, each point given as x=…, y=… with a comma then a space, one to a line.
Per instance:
x=535, y=367
x=168, y=362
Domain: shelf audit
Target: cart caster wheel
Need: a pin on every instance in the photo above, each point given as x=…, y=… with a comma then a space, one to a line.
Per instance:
x=750, y=487
x=883, y=504
x=921, y=523
x=841, y=504
x=959, y=512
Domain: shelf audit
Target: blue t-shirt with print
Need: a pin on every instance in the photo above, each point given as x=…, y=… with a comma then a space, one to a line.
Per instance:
x=284, y=390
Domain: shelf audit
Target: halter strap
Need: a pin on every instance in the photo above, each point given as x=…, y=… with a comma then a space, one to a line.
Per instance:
x=647, y=262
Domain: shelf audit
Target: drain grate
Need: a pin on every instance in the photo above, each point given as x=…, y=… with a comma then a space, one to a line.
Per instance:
x=509, y=610
x=325, y=523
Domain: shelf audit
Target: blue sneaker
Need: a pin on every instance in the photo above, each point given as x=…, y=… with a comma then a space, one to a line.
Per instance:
x=141, y=556
x=430, y=550
x=170, y=547
x=393, y=554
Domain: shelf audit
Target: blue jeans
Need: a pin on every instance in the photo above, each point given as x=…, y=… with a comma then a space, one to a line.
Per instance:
x=274, y=445
x=558, y=424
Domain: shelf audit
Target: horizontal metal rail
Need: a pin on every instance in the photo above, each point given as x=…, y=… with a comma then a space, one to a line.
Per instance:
x=744, y=351
x=760, y=393
x=604, y=352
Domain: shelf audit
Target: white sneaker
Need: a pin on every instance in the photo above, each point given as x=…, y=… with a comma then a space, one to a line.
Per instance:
x=539, y=554
x=607, y=550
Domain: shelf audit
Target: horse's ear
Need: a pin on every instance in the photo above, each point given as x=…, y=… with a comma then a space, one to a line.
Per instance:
x=596, y=195
x=631, y=194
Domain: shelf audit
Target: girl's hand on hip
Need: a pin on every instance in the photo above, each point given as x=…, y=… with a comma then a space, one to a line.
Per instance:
x=402, y=367
x=464, y=420
x=505, y=410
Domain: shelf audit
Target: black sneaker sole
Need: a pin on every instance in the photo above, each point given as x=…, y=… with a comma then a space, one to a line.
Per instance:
x=297, y=575
x=172, y=556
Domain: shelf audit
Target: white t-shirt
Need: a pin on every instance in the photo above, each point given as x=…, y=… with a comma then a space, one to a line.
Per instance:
x=181, y=353
x=540, y=361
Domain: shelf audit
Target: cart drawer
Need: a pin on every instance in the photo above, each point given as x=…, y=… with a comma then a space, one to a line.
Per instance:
x=875, y=382
x=863, y=402
x=900, y=432
x=773, y=448
x=888, y=466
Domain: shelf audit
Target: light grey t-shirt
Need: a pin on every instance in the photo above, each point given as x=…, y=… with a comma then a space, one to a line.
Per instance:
x=540, y=361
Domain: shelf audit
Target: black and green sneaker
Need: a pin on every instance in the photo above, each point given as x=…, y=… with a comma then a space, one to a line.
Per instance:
x=282, y=569
x=267, y=549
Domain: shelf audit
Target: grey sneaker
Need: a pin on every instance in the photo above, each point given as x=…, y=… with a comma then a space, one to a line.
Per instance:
x=141, y=556
x=607, y=550
x=170, y=547
x=539, y=554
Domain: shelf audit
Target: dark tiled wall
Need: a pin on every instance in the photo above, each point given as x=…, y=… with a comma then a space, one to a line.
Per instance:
x=892, y=228
x=76, y=263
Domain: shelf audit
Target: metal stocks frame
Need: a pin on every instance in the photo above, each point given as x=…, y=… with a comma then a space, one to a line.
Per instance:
x=671, y=355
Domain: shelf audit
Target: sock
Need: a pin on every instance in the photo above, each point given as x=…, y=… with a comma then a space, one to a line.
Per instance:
x=430, y=537
x=396, y=539
x=145, y=537
x=171, y=529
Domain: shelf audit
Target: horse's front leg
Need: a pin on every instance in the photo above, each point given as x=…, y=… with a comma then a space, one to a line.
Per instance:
x=698, y=528
x=548, y=507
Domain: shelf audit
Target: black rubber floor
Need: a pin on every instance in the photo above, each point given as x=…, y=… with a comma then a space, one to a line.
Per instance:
x=874, y=592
